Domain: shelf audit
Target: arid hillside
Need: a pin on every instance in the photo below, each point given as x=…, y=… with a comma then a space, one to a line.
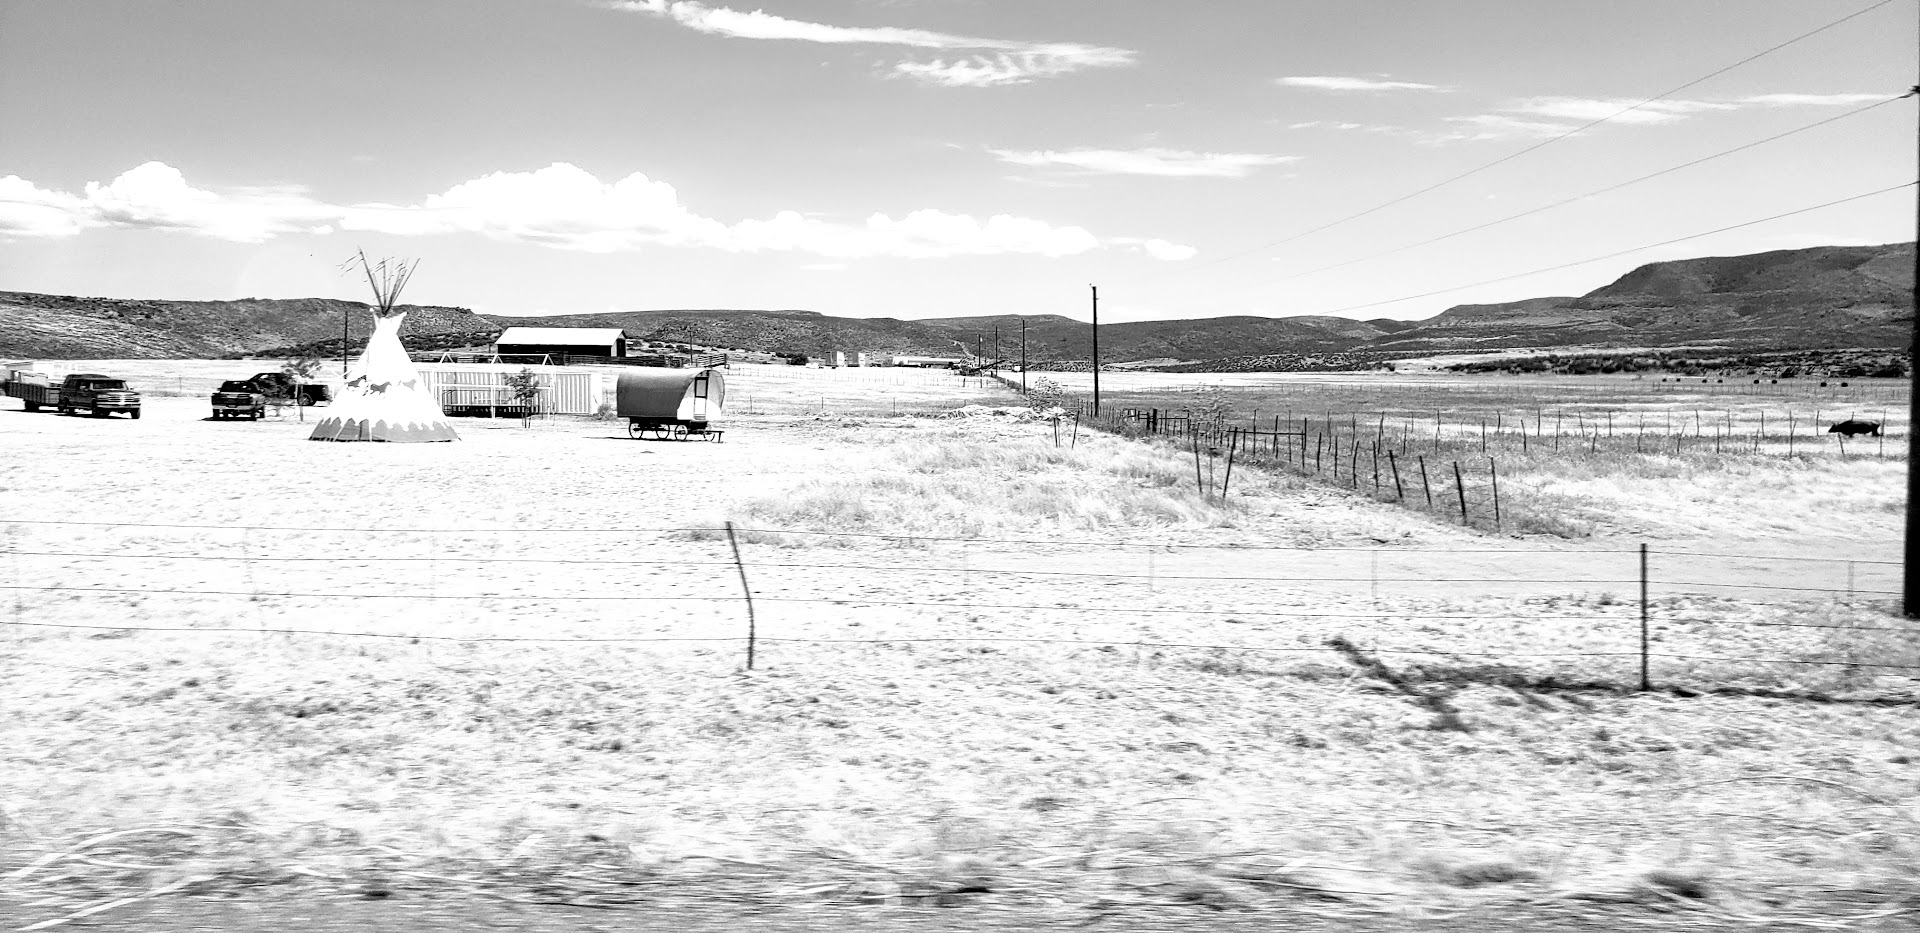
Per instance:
x=68, y=327
x=1824, y=297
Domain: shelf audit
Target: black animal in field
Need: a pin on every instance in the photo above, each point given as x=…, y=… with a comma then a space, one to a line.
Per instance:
x=1852, y=427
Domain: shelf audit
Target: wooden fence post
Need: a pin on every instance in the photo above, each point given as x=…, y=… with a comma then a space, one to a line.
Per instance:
x=1493, y=470
x=1460, y=486
x=1424, y=487
x=744, y=590
x=1198, y=489
x=1398, y=493
x=1228, y=481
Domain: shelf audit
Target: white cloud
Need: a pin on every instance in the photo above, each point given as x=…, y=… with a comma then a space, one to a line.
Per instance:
x=28, y=210
x=1165, y=162
x=561, y=206
x=1812, y=100
x=825, y=267
x=990, y=62
x=1490, y=126
x=1158, y=249
x=1615, y=110
x=1168, y=252
x=156, y=195
x=1352, y=127
x=1336, y=83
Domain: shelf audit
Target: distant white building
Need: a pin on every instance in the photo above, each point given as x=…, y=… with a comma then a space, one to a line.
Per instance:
x=927, y=362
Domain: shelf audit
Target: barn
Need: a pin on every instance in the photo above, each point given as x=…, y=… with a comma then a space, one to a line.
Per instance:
x=556, y=344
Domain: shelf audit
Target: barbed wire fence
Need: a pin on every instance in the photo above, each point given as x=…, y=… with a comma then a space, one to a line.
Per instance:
x=1624, y=619
x=1451, y=463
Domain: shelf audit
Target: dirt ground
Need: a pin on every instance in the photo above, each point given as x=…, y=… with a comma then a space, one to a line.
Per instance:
x=1120, y=715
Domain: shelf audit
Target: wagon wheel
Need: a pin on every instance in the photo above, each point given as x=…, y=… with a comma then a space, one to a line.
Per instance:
x=634, y=429
x=679, y=432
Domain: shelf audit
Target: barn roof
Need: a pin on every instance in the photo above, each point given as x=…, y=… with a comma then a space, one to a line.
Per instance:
x=579, y=336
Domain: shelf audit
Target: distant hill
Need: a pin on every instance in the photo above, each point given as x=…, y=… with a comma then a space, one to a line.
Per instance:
x=1830, y=296
x=1825, y=297
x=66, y=327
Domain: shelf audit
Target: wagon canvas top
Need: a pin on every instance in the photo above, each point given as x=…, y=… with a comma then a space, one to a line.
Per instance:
x=685, y=394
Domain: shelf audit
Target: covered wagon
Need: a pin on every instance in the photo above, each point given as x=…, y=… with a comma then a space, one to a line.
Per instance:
x=670, y=403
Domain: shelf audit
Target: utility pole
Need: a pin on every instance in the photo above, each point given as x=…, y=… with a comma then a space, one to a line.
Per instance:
x=979, y=348
x=1096, y=349
x=1910, y=599
x=1023, y=356
x=346, y=319
x=996, y=341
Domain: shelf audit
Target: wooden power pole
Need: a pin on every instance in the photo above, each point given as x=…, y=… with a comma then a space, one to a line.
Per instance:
x=1096, y=349
x=1023, y=356
x=1910, y=597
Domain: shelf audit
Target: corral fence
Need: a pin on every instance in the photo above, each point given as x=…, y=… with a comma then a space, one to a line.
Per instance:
x=1450, y=464
x=1585, y=618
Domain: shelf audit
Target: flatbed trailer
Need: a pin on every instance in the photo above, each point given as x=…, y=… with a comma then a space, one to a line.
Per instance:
x=36, y=394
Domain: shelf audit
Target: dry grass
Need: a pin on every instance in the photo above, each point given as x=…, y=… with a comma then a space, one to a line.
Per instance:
x=880, y=773
x=956, y=486
x=1470, y=766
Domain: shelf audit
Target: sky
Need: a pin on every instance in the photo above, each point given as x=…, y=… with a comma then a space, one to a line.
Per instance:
x=940, y=158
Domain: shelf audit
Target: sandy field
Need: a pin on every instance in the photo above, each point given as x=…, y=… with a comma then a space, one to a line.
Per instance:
x=990, y=666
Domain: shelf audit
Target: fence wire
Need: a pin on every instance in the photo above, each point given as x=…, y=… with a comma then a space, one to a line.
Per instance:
x=1574, y=623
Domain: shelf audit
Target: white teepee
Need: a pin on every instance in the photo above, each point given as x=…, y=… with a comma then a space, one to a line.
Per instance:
x=385, y=398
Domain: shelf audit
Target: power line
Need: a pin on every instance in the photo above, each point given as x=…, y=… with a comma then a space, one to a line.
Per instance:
x=1539, y=145
x=1581, y=197
x=1615, y=255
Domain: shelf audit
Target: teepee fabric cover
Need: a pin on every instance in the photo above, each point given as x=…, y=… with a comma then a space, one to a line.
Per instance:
x=385, y=399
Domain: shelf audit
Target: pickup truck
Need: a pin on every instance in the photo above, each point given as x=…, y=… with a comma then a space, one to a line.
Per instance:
x=99, y=395
x=280, y=385
x=239, y=398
